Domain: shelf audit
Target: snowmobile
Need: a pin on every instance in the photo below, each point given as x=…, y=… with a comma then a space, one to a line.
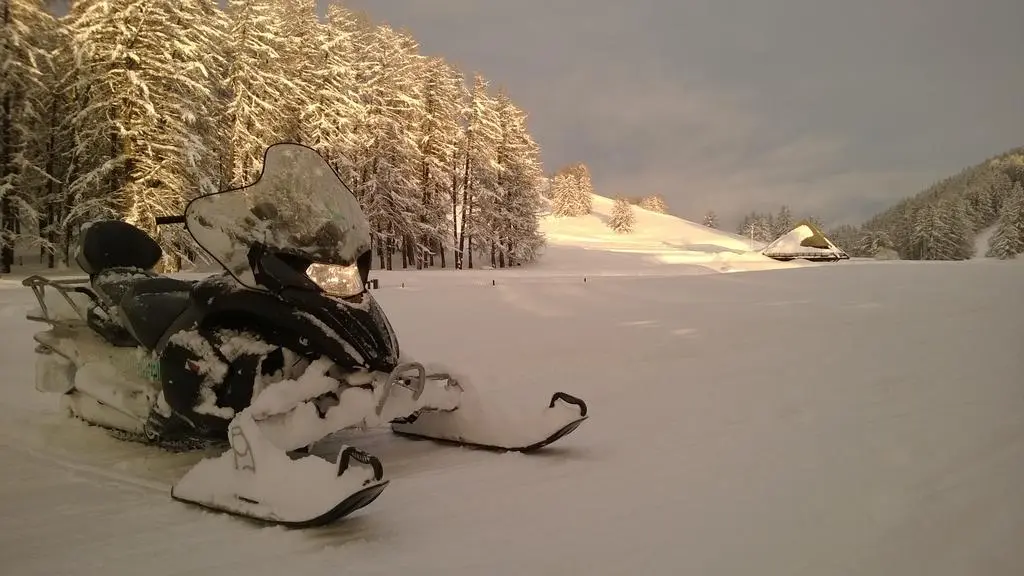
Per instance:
x=282, y=348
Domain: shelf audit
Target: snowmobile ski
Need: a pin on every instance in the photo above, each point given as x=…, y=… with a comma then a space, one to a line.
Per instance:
x=256, y=480
x=471, y=426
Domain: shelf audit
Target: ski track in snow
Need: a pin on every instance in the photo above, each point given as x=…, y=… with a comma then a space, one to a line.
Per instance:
x=982, y=239
x=848, y=419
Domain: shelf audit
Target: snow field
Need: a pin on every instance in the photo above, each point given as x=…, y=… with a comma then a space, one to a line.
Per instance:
x=836, y=419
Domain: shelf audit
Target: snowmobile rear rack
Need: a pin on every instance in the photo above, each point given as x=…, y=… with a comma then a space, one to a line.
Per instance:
x=65, y=288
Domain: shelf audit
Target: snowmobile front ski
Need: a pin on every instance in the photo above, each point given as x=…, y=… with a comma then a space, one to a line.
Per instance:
x=472, y=425
x=257, y=480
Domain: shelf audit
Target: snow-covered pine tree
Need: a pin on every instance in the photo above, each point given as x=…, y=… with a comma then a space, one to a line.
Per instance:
x=744, y=226
x=444, y=94
x=942, y=232
x=200, y=96
x=388, y=159
x=922, y=234
x=561, y=190
x=256, y=84
x=846, y=237
x=711, y=219
x=96, y=28
x=21, y=90
x=654, y=203
x=1008, y=239
x=783, y=222
x=71, y=197
x=622, y=219
x=930, y=238
x=757, y=227
x=572, y=196
x=143, y=69
x=496, y=216
x=872, y=242
x=479, y=157
x=751, y=228
x=336, y=119
x=301, y=56
x=518, y=190
x=961, y=229
x=48, y=150
x=999, y=186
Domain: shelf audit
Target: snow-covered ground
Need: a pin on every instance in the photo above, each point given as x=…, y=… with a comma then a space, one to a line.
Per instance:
x=846, y=418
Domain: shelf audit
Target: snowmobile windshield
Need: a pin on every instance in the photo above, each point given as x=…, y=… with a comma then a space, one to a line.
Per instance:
x=298, y=206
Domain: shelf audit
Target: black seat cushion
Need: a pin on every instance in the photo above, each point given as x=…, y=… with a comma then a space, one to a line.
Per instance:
x=110, y=329
x=158, y=284
x=112, y=284
x=149, y=315
x=116, y=244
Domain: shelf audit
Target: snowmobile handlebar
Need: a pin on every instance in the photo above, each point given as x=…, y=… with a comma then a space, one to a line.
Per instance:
x=161, y=220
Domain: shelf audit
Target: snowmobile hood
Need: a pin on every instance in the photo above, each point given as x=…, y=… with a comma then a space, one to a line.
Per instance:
x=356, y=328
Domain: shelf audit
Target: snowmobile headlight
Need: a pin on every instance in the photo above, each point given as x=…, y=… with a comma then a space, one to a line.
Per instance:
x=340, y=281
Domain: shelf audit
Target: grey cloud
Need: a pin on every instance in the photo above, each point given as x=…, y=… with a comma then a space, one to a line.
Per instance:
x=830, y=106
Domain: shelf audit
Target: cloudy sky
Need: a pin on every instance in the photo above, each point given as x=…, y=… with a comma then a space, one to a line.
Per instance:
x=836, y=107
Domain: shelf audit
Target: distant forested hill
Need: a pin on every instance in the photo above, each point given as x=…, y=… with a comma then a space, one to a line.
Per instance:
x=943, y=221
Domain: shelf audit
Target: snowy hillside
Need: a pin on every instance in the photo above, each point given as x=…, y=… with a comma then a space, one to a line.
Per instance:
x=658, y=241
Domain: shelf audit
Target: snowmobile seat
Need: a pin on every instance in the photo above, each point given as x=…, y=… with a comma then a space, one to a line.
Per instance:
x=98, y=320
x=112, y=284
x=115, y=244
x=150, y=311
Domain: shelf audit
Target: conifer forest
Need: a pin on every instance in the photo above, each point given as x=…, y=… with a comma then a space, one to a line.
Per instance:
x=127, y=109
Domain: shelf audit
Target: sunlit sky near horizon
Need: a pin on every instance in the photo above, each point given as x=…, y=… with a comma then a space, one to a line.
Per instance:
x=836, y=108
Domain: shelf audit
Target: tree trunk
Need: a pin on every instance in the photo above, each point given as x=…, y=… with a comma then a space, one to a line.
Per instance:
x=376, y=242
x=455, y=227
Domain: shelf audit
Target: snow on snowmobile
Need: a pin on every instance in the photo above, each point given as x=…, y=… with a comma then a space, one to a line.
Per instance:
x=280, y=350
